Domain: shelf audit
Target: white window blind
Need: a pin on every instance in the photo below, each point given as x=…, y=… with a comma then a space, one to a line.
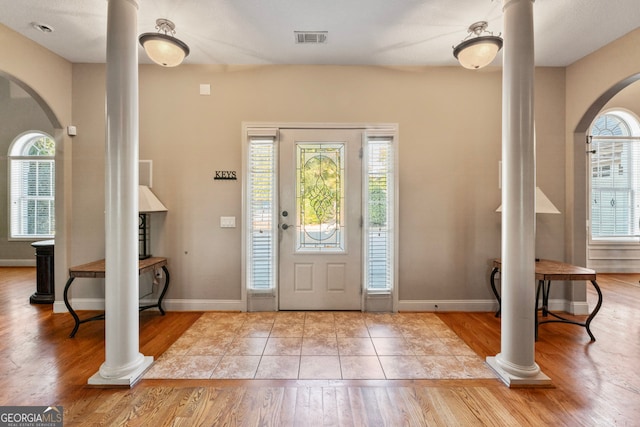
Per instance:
x=615, y=183
x=32, y=187
x=615, y=177
x=261, y=199
x=379, y=214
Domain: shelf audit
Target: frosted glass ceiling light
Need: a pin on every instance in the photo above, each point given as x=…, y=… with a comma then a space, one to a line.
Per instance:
x=477, y=52
x=162, y=47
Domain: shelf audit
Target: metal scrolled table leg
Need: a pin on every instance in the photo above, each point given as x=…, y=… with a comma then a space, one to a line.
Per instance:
x=495, y=291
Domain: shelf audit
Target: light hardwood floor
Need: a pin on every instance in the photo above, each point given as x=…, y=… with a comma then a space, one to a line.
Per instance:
x=594, y=383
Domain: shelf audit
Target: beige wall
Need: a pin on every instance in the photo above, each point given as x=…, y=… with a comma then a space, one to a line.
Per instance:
x=628, y=99
x=450, y=124
x=450, y=144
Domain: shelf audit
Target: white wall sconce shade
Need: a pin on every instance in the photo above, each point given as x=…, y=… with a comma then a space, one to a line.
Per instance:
x=543, y=204
x=477, y=52
x=147, y=203
x=162, y=47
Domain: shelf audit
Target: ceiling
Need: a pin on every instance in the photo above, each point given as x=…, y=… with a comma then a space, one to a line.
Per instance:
x=360, y=32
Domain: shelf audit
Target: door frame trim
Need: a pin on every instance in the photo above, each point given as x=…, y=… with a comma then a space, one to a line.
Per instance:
x=392, y=128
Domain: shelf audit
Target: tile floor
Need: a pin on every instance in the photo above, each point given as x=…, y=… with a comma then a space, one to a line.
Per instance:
x=319, y=345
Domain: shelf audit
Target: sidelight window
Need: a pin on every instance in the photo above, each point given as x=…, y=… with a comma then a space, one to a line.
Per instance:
x=261, y=202
x=379, y=213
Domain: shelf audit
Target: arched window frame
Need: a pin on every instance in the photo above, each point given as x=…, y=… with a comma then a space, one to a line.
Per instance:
x=614, y=178
x=31, y=186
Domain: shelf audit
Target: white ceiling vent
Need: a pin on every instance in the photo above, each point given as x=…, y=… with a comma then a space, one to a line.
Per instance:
x=311, y=37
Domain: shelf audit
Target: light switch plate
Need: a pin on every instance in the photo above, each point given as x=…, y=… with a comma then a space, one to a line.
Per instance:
x=227, y=222
x=205, y=89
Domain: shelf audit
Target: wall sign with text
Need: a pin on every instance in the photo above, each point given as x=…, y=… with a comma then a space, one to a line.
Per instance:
x=225, y=175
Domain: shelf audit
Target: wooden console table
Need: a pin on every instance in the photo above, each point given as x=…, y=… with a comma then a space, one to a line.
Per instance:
x=546, y=271
x=96, y=269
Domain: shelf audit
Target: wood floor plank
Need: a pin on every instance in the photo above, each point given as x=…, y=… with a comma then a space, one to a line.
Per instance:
x=406, y=401
x=288, y=408
x=329, y=407
x=221, y=407
x=373, y=416
x=451, y=408
x=344, y=411
x=356, y=404
x=315, y=410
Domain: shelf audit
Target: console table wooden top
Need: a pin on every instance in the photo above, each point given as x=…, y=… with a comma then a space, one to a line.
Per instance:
x=96, y=269
x=556, y=270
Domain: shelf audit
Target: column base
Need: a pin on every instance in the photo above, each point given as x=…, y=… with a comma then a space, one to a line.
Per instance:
x=39, y=298
x=128, y=380
x=511, y=380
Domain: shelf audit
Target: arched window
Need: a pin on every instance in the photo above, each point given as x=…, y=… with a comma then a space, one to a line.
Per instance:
x=32, y=186
x=615, y=176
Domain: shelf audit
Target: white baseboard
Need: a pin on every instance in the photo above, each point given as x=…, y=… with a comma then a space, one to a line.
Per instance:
x=447, y=305
x=619, y=270
x=204, y=305
x=167, y=304
x=59, y=307
x=578, y=308
x=17, y=262
x=575, y=307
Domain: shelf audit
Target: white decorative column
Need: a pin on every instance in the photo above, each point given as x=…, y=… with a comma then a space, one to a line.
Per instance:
x=515, y=364
x=124, y=364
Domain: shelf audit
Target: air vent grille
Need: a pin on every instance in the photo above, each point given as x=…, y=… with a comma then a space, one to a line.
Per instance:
x=310, y=37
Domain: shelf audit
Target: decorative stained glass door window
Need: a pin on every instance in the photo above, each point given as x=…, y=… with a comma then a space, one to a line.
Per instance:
x=320, y=179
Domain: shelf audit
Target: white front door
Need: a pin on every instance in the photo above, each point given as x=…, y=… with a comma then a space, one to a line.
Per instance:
x=320, y=180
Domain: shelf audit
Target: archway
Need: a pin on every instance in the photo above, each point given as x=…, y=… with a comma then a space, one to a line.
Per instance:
x=50, y=121
x=55, y=122
x=578, y=239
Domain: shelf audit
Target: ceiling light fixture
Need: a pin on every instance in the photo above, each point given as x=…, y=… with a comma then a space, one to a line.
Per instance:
x=477, y=52
x=162, y=47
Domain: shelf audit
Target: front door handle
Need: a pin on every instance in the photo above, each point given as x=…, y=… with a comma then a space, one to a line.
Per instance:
x=284, y=226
